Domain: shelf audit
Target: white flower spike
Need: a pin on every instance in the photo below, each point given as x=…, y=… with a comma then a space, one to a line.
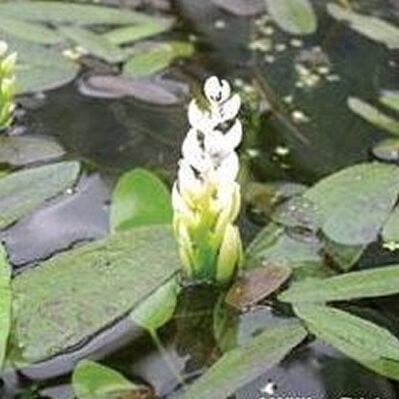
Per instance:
x=206, y=196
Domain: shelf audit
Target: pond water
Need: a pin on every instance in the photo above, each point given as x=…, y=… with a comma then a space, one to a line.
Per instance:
x=112, y=136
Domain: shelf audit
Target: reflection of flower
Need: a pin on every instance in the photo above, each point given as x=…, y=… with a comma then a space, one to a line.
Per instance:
x=7, y=84
x=206, y=197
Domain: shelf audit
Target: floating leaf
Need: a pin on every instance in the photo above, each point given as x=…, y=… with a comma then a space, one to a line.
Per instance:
x=293, y=16
x=256, y=284
x=78, y=14
x=22, y=150
x=147, y=61
x=371, y=27
x=29, y=31
x=93, y=43
x=247, y=8
x=390, y=98
x=240, y=366
x=5, y=303
x=130, y=34
x=371, y=283
x=355, y=217
x=157, y=310
x=373, y=115
x=390, y=232
x=22, y=191
x=40, y=68
x=371, y=345
x=91, y=380
x=77, y=293
x=140, y=198
x=387, y=150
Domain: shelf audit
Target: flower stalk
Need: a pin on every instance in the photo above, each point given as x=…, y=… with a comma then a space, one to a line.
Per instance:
x=206, y=197
x=7, y=85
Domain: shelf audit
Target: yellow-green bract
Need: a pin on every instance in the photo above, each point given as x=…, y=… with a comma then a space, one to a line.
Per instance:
x=7, y=84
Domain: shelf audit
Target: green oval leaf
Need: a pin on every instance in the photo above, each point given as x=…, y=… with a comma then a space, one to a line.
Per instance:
x=390, y=98
x=371, y=345
x=158, y=309
x=21, y=192
x=91, y=380
x=77, y=293
x=240, y=366
x=93, y=43
x=374, y=28
x=140, y=198
x=373, y=115
x=5, y=303
x=152, y=59
x=293, y=16
x=355, y=202
x=380, y=281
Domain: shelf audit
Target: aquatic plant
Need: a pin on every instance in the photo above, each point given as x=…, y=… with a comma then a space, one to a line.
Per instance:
x=206, y=196
x=7, y=84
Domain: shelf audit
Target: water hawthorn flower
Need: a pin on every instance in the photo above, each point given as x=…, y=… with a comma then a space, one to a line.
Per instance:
x=206, y=196
x=7, y=84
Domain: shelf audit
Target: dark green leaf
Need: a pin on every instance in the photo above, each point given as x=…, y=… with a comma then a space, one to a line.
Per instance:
x=5, y=303
x=380, y=281
x=293, y=16
x=21, y=192
x=371, y=345
x=140, y=198
x=355, y=216
x=371, y=27
x=240, y=366
x=93, y=43
x=373, y=115
x=77, y=293
x=345, y=256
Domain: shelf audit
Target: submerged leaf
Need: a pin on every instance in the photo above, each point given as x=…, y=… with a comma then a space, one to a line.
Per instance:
x=247, y=8
x=370, y=283
x=355, y=217
x=152, y=59
x=77, y=293
x=91, y=380
x=256, y=284
x=373, y=115
x=140, y=198
x=240, y=366
x=23, y=150
x=5, y=303
x=293, y=16
x=22, y=191
x=93, y=43
x=372, y=346
x=371, y=27
x=387, y=150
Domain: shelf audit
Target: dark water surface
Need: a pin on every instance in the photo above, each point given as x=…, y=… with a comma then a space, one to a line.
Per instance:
x=113, y=136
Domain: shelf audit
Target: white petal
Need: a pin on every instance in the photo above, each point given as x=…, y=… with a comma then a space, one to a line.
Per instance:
x=234, y=135
x=214, y=143
x=177, y=201
x=217, y=91
x=228, y=169
x=191, y=145
x=187, y=179
x=196, y=116
x=229, y=109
